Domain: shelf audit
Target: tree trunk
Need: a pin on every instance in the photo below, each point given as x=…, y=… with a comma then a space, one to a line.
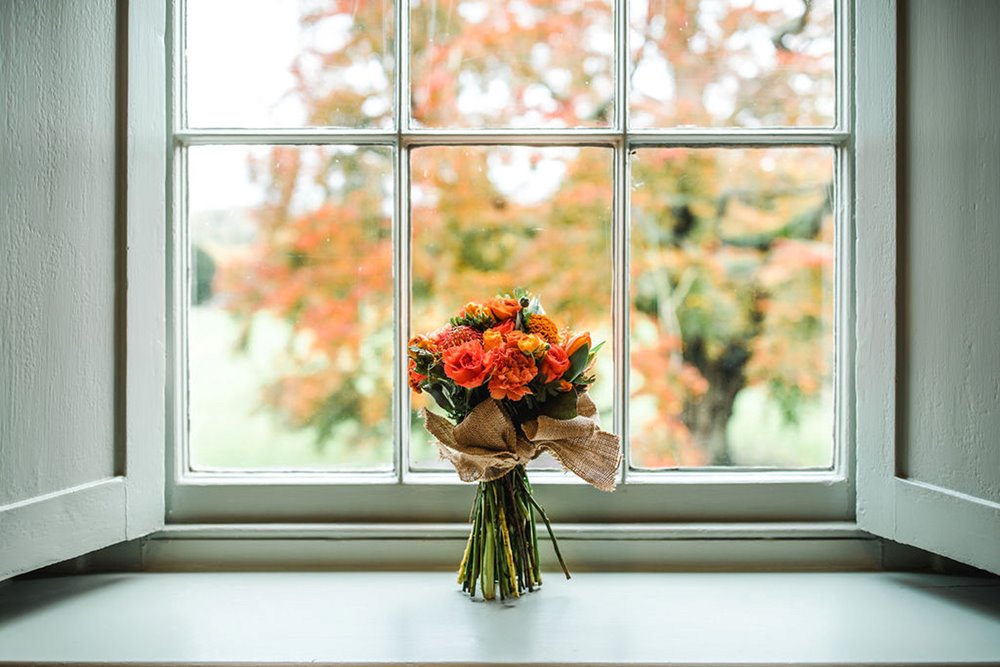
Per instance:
x=708, y=416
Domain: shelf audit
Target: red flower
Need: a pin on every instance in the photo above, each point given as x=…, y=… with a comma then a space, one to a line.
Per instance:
x=512, y=371
x=555, y=363
x=455, y=336
x=415, y=377
x=466, y=364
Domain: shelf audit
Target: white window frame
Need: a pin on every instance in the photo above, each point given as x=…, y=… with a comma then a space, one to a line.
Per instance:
x=403, y=497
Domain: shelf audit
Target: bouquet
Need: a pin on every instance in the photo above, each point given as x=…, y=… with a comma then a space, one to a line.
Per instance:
x=514, y=385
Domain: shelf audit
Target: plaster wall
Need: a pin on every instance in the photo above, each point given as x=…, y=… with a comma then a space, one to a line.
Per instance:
x=57, y=245
x=950, y=244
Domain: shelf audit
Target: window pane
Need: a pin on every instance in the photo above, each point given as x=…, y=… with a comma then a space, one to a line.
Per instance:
x=290, y=336
x=732, y=307
x=522, y=63
x=486, y=220
x=736, y=63
x=276, y=63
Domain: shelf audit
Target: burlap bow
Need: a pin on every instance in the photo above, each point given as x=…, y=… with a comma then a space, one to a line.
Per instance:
x=486, y=445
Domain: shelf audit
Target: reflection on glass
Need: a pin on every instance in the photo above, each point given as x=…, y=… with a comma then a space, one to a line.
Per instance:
x=277, y=63
x=522, y=63
x=486, y=220
x=732, y=307
x=731, y=63
x=290, y=330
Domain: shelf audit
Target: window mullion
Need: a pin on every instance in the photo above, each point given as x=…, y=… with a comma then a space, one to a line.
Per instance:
x=401, y=284
x=620, y=299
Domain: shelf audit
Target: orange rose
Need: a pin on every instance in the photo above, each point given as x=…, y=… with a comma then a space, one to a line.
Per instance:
x=555, y=363
x=466, y=364
x=532, y=345
x=564, y=386
x=503, y=309
x=576, y=342
x=505, y=327
x=512, y=371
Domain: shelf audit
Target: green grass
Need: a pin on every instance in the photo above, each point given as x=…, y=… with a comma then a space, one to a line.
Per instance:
x=231, y=429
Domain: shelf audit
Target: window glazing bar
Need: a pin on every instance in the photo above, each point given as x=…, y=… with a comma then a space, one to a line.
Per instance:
x=559, y=137
x=739, y=137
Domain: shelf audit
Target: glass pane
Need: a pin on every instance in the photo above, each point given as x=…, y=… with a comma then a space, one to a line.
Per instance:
x=489, y=219
x=732, y=63
x=290, y=330
x=732, y=307
x=522, y=63
x=276, y=63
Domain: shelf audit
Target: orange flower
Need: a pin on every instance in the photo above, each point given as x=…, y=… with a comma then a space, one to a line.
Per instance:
x=565, y=386
x=576, y=342
x=512, y=371
x=466, y=364
x=475, y=311
x=532, y=345
x=421, y=342
x=555, y=363
x=415, y=377
x=543, y=327
x=505, y=327
x=492, y=338
x=503, y=309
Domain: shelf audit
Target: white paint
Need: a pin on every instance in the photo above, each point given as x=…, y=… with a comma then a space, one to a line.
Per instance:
x=57, y=269
x=875, y=271
x=620, y=547
x=934, y=482
x=952, y=272
x=442, y=498
x=422, y=618
x=76, y=474
x=146, y=266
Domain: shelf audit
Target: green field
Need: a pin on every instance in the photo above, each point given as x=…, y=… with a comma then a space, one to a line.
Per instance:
x=230, y=429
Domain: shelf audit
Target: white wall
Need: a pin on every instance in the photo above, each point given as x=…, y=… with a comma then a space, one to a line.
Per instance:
x=950, y=232
x=57, y=238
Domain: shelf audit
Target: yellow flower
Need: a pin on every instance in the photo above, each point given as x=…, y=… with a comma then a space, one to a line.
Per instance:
x=492, y=339
x=532, y=345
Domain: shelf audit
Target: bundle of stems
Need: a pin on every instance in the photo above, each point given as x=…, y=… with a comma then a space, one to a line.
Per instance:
x=502, y=551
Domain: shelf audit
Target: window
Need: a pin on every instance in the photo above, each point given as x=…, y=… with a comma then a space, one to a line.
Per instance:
x=117, y=423
x=673, y=176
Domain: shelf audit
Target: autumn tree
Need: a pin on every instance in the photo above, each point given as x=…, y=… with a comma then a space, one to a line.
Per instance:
x=731, y=254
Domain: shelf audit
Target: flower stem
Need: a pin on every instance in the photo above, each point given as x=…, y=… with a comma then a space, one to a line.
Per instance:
x=501, y=554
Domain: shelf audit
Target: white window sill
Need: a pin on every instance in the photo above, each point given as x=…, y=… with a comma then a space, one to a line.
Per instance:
x=407, y=618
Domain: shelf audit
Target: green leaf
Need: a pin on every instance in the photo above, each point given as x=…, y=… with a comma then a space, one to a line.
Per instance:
x=436, y=390
x=561, y=406
x=577, y=362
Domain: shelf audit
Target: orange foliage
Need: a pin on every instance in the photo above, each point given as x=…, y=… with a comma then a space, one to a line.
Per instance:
x=732, y=250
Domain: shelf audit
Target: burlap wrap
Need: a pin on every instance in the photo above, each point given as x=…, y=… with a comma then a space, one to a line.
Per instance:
x=486, y=445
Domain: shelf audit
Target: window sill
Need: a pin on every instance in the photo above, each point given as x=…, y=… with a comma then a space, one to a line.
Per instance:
x=407, y=618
